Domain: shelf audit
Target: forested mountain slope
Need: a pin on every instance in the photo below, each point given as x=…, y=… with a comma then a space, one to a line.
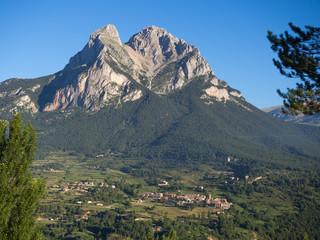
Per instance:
x=154, y=97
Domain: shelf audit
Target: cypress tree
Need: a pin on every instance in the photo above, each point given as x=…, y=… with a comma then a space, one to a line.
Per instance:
x=20, y=193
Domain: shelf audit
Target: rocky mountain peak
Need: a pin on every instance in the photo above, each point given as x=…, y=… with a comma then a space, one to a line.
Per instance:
x=93, y=77
x=96, y=47
x=106, y=34
x=107, y=72
x=169, y=63
x=159, y=45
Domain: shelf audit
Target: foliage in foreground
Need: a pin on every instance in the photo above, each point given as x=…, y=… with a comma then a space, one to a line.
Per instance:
x=20, y=193
x=299, y=57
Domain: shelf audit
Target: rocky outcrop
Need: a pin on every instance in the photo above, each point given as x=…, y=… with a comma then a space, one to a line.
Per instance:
x=94, y=77
x=107, y=72
x=26, y=103
x=169, y=62
x=157, y=45
x=18, y=99
x=221, y=92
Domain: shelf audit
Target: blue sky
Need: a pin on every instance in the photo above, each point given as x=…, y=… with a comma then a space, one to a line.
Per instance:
x=38, y=38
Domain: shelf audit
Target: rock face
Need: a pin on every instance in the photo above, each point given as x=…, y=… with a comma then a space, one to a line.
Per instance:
x=94, y=77
x=26, y=102
x=169, y=63
x=108, y=72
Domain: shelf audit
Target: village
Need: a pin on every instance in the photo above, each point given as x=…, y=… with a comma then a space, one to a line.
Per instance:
x=80, y=187
x=171, y=199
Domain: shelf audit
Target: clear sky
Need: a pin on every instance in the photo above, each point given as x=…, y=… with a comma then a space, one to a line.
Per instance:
x=38, y=38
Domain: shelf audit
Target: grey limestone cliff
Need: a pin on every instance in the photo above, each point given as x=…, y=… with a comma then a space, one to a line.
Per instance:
x=169, y=62
x=108, y=72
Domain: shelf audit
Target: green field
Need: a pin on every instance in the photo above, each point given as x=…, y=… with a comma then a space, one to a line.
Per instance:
x=259, y=206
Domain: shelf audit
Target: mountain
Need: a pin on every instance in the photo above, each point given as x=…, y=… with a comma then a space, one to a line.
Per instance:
x=107, y=73
x=153, y=97
x=313, y=120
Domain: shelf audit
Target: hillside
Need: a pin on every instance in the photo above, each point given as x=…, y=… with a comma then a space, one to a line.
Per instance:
x=140, y=140
x=154, y=97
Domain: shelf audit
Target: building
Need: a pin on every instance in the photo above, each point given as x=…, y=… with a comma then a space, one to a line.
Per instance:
x=219, y=203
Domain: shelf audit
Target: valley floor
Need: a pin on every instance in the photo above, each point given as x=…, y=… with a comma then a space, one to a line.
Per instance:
x=108, y=197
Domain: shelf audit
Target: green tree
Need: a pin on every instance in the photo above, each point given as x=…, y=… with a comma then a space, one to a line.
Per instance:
x=299, y=57
x=20, y=193
x=171, y=236
x=305, y=237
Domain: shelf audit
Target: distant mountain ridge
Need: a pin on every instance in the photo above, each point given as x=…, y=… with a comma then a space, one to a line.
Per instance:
x=153, y=97
x=276, y=111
